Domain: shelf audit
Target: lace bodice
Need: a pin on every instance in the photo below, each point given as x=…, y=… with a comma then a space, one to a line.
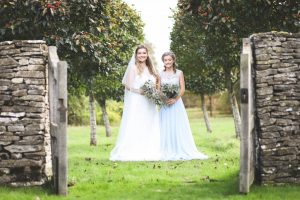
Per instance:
x=170, y=78
x=140, y=79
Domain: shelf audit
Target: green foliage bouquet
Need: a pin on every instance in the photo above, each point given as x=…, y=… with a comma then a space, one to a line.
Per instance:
x=170, y=90
x=150, y=91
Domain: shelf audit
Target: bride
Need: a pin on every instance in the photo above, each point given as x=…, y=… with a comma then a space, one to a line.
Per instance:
x=139, y=135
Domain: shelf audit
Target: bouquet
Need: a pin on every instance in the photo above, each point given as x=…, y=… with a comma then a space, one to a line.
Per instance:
x=170, y=90
x=150, y=91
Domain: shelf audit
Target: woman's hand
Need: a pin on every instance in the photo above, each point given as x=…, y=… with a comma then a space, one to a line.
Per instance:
x=171, y=101
x=137, y=91
x=141, y=92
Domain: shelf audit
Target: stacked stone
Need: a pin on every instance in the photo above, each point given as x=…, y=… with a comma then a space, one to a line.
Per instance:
x=24, y=113
x=276, y=62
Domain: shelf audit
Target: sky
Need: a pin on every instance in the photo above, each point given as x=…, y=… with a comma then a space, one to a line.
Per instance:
x=158, y=24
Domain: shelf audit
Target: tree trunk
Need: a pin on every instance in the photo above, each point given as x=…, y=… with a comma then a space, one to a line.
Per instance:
x=236, y=114
x=93, y=138
x=234, y=105
x=208, y=128
x=105, y=118
x=210, y=106
x=81, y=118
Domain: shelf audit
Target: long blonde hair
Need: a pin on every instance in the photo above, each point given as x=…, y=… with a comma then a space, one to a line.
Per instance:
x=149, y=64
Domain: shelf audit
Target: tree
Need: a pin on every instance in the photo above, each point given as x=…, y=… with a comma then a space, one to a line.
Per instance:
x=87, y=34
x=57, y=22
x=127, y=32
x=200, y=78
x=223, y=25
x=108, y=87
x=31, y=19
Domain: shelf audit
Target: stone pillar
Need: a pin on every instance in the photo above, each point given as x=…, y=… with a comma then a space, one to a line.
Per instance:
x=25, y=149
x=277, y=77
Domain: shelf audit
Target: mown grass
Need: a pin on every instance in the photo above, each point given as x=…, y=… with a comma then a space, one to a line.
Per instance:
x=94, y=177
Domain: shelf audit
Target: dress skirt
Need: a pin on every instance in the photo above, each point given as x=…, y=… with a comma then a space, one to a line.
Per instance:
x=139, y=134
x=177, y=142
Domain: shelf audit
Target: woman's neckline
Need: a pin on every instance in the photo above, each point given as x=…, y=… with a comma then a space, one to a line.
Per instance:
x=145, y=67
x=170, y=72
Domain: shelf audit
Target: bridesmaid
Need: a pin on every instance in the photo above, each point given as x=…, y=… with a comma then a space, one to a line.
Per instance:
x=177, y=142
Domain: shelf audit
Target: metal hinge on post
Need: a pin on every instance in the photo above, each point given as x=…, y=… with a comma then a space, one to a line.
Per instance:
x=244, y=95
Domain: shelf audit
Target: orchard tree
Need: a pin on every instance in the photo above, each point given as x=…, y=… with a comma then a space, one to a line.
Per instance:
x=224, y=23
x=126, y=31
x=199, y=77
x=74, y=27
x=108, y=87
x=28, y=19
x=87, y=34
x=120, y=33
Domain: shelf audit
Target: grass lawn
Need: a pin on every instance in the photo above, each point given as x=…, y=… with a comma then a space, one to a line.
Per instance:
x=94, y=177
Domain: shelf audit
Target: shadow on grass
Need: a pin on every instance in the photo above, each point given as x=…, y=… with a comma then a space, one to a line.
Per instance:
x=207, y=188
x=203, y=188
x=22, y=192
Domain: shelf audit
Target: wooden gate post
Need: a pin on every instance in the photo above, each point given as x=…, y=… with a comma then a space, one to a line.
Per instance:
x=246, y=176
x=62, y=128
x=58, y=120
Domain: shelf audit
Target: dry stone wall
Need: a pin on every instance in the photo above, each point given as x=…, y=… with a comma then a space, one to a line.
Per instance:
x=276, y=62
x=24, y=113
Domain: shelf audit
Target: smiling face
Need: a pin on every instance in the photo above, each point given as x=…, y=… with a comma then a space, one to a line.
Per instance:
x=168, y=61
x=142, y=55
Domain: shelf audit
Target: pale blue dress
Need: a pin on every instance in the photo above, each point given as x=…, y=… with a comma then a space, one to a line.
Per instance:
x=177, y=142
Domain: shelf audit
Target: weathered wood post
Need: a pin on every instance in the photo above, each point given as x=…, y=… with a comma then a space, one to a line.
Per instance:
x=247, y=118
x=53, y=60
x=62, y=128
x=58, y=119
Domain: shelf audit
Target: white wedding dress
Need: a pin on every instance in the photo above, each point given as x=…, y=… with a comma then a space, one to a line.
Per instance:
x=139, y=134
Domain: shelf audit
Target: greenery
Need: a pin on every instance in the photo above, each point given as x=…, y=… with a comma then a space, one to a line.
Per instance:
x=201, y=77
x=93, y=176
x=212, y=31
x=220, y=26
x=79, y=115
x=78, y=108
x=82, y=30
x=95, y=37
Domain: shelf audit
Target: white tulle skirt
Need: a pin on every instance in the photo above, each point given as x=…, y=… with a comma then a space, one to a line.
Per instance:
x=177, y=142
x=139, y=134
